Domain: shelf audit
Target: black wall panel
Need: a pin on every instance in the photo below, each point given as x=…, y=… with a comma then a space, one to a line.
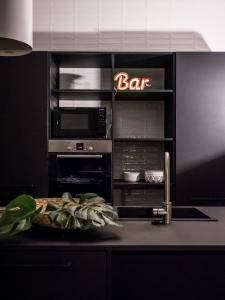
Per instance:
x=200, y=128
x=23, y=125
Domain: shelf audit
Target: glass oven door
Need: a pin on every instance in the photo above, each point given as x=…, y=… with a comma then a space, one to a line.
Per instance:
x=80, y=173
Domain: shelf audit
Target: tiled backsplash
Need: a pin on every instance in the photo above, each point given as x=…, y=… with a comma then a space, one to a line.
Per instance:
x=137, y=156
x=139, y=119
x=138, y=197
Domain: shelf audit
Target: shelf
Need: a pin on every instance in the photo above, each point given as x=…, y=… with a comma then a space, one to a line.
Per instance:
x=70, y=94
x=143, y=140
x=79, y=139
x=73, y=182
x=155, y=95
x=80, y=91
x=142, y=184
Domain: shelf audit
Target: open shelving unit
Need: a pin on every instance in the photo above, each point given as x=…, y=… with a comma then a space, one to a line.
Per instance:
x=71, y=94
x=121, y=184
x=143, y=139
x=143, y=95
x=151, y=138
x=142, y=148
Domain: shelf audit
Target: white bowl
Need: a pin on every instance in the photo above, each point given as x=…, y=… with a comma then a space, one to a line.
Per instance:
x=131, y=176
x=154, y=176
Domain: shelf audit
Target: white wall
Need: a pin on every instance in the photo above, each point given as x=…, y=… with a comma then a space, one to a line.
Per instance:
x=129, y=25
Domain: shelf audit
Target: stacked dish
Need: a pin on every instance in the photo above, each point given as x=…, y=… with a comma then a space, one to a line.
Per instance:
x=154, y=176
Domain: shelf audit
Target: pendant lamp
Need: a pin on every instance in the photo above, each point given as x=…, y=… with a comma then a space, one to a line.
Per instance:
x=16, y=27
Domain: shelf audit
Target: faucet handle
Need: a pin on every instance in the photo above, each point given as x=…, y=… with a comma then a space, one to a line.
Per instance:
x=159, y=211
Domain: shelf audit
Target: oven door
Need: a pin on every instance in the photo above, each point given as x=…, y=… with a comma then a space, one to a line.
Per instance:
x=80, y=173
x=75, y=123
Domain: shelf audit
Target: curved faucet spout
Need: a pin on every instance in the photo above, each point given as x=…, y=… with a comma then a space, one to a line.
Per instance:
x=166, y=210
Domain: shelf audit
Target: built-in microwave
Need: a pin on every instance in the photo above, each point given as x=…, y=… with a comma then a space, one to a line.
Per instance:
x=80, y=122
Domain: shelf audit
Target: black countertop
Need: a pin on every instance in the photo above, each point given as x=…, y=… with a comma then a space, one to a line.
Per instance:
x=133, y=235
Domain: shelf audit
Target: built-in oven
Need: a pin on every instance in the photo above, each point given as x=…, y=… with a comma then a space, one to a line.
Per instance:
x=79, y=122
x=81, y=166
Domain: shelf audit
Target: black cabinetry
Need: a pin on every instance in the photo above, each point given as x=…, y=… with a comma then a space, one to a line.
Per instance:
x=172, y=275
x=200, y=128
x=111, y=274
x=196, y=145
x=23, y=125
x=54, y=275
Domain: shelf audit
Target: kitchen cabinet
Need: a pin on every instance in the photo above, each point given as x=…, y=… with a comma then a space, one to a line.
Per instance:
x=114, y=274
x=165, y=275
x=138, y=143
x=23, y=125
x=200, y=127
x=54, y=275
x=186, y=103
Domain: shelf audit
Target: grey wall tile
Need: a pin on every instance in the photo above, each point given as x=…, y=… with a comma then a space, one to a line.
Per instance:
x=125, y=25
x=138, y=197
x=129, y=124
x=138, y=157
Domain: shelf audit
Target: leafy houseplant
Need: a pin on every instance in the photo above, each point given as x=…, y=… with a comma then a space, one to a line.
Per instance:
x=84, y=212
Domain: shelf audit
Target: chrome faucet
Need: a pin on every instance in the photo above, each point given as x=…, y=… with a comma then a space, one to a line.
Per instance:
x=166, y=210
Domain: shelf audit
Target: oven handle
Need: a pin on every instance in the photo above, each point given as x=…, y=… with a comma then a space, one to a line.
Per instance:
x=79, y=156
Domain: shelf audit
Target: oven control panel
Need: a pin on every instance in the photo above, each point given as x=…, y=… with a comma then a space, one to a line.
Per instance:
x=104, y=146
x=80, y=147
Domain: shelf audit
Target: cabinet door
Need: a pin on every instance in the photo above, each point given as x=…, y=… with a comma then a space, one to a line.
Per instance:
x=23, y=125
x=186, y=276
x=200, y=128
x=53, y=275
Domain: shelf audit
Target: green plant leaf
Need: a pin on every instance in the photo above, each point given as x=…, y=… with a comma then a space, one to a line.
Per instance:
x=90, y=211
x=5, y=229
x=72, y=209
x=18, y=215
x=22, y=225
x=93, y=215
x=51, y=207
x=67, y=197
x=110, y=221
x=18, y=209
x=87, y=196
x=82, y=213
x=76, y=223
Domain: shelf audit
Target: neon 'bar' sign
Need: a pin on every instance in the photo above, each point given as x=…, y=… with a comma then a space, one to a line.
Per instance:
x=133, y=84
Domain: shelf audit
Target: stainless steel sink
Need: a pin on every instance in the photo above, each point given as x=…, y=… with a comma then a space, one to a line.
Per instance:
x=178, y=213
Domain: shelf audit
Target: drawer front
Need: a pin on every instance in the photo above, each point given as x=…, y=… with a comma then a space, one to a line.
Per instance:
x=178, y=275
x=53, y=275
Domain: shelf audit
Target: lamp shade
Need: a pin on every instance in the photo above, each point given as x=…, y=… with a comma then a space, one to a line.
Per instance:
x=16, y=27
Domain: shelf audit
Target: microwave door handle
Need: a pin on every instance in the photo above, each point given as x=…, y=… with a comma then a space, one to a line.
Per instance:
x=79, y=156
